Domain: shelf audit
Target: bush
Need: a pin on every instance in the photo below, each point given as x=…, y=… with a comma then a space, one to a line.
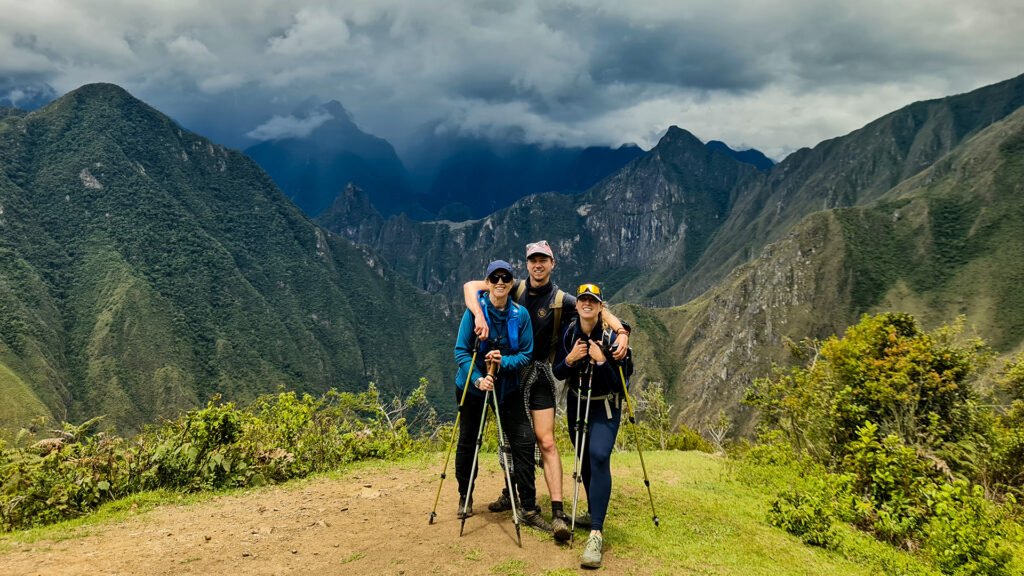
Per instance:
x=279, y=437
x=965, y=533
x=808, y=514
x=893, y=415
x=654, y=428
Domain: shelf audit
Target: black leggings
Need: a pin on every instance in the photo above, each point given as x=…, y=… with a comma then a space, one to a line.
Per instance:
x=518, y=432
x=596, y=467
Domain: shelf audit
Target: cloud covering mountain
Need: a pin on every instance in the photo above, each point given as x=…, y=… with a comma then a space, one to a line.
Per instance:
x=775, y=76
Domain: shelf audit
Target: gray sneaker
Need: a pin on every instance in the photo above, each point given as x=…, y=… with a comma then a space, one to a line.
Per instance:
x=533, y=519
x=591, y=557
x=560, y=527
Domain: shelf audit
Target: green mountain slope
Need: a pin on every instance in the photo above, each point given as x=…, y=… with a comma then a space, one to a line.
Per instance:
x=851, y=170
x=946, y=242
x=145, y=268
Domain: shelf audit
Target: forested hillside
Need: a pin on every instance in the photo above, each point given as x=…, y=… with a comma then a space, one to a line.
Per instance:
x=145, y=268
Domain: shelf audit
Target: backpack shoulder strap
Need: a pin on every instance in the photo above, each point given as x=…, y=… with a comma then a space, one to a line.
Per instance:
x=556, y=305
x=519, y=291
x=515, y=313
x=606, y=338
x=567, y=336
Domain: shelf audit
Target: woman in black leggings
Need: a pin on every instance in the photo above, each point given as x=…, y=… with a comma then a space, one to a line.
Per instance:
x=582, y=359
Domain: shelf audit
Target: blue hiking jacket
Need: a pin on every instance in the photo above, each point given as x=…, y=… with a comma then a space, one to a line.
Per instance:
x=511, y=361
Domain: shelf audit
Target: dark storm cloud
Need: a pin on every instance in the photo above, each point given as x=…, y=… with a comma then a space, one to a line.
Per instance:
x=678, y=54
x=771, y=74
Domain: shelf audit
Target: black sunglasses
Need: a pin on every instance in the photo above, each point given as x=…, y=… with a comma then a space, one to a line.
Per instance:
x=495, y=278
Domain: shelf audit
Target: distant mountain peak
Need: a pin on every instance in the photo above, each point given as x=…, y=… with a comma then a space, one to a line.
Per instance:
x=677, y=137
x=337, y=110
x=750, y=156
x=102, y=90
x=107, y=95
x=103, y=106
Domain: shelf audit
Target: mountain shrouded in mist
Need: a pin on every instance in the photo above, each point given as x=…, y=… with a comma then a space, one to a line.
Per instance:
x=472, y=176
x=312, y=168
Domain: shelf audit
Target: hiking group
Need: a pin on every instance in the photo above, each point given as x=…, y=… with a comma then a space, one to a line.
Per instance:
x=517, y=338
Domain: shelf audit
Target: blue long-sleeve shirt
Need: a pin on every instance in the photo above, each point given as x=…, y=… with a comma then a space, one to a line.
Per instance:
x=511, y=361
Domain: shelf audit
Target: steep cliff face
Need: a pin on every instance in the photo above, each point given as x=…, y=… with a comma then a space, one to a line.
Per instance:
x=659, y=211
x=708, y=351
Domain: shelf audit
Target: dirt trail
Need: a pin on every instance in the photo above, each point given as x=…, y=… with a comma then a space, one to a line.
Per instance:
x=372, y=521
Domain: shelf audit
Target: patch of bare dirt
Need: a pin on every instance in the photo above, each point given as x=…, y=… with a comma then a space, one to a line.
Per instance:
x=371, y=521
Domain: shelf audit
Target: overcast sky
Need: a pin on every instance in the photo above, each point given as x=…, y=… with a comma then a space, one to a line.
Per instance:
x=775, y=75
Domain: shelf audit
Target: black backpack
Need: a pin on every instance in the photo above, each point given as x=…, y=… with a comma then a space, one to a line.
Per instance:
x=606, y=343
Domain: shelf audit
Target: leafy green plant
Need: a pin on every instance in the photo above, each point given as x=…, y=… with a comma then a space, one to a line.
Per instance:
x=807, y=514
x=893, y=415
x=965, y=533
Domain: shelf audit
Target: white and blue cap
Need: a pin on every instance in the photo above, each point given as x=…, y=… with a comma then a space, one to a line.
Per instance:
x=499, y=265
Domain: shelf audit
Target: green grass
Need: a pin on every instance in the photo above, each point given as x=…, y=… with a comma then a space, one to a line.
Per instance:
x=510, y=568
x=712, y=516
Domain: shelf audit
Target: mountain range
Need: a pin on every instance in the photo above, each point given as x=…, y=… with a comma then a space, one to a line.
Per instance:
x=916, y=211
x=144, y=269
x=312, y=169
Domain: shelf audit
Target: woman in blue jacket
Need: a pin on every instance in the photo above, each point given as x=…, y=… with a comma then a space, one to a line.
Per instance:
x=582, y=359
x=510, y=344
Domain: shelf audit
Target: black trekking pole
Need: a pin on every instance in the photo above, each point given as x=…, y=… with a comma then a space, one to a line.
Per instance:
x=578, y=464
x=632, y=420
x=455, y=430
x=472, y=470
x=506, y=455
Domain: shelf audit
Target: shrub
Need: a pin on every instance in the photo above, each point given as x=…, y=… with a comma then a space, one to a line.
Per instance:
x=893, y=414
x=808, y=514
x=965, y=534
x=278, y=437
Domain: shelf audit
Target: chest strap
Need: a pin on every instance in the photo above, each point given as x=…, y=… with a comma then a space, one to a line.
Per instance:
x=608, y=399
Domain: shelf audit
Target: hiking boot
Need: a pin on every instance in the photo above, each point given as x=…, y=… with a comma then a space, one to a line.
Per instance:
x=501, y=504
x=591, y=557
x=560, y=527
x=469, y=509
x=583, y=521
x=533, y=519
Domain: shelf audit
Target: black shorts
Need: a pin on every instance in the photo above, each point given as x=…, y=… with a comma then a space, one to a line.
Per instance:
x=542, y=392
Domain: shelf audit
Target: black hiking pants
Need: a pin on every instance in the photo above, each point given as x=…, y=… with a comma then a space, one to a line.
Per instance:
x=518, y=432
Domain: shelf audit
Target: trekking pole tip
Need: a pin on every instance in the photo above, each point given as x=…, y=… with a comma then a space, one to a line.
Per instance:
x=432, y=516
x=657, y=523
